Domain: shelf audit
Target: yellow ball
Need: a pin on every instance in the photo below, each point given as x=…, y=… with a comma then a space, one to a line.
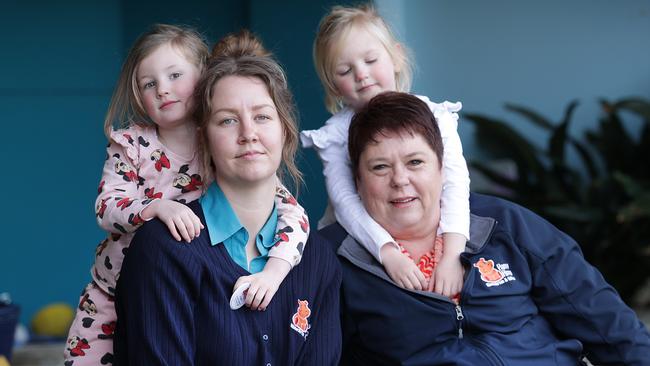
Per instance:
x=53, y=320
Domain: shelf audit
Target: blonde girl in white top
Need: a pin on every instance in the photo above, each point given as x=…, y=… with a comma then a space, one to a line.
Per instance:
x=357, y=57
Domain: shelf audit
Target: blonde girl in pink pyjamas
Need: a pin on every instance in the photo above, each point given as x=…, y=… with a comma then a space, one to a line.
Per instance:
x=152, y=168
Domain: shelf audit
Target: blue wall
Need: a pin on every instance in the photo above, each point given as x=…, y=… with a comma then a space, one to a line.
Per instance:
x=539, y=54
x=59, y=64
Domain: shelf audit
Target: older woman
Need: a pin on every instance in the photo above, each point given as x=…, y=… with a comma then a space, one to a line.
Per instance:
x=529, y=297
x=172, y=299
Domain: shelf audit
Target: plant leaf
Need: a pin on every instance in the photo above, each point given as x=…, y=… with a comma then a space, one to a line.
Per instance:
x=495, y=176
x=559, y=134
x=531, y=116
x=638, y=106
x=503, y=141
x=632, y=187
x=639, y=208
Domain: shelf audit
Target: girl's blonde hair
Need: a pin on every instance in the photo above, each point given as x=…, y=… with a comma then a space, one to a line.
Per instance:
x=126, y=106
x=242, y=54
x=336, y=25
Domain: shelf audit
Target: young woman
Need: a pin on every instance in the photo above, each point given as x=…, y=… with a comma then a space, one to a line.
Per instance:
x=173, y=300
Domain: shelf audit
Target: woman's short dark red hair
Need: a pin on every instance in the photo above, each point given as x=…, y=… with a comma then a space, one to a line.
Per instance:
x=392, y=113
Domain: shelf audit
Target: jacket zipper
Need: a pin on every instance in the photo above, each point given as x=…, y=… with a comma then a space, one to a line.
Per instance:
x=459, y=318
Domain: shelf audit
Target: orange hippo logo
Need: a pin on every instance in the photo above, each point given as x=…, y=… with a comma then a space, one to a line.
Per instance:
x=489, y=274
x=299, y=321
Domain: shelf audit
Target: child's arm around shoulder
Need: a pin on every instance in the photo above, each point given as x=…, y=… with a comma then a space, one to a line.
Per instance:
x=292, y=230
x=455, y=194
x=125, y=200
x=291, y=235
x=454, y=219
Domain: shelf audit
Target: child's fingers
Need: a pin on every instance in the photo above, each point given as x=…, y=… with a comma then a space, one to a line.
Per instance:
x=421, y=279
x=240, y=281
x=257, y=300
x=432, y=282
x=442, y=287
x=415, y=276
x=457, y=288
x=267, y=299
x=193, y=225
x=398, y=283
x=452, y=288
x=415, y=281
x=449, y=288
x=439, y=286
x=250, y=295
x=172, y=229
x=190, y=227
x=197, y=223
x=182, y=230
x=408, y=283
x=446, y=290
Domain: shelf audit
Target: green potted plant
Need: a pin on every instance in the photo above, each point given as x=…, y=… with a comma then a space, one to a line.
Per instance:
x=602, y=199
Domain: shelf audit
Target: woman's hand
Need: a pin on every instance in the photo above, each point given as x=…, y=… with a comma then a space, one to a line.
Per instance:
x=264, y=284
x=401, y=269
x=181, y=221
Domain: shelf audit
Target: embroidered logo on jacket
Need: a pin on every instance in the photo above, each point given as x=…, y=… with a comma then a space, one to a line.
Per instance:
x=494, y=275
x=299, y=321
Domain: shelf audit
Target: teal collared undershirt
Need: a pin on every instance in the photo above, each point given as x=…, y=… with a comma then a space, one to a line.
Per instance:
x=224, y=227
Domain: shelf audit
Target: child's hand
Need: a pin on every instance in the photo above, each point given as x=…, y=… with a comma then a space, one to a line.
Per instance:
x=447, y=278
x=264, y=284
x=401, y=269
x=181, y=221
